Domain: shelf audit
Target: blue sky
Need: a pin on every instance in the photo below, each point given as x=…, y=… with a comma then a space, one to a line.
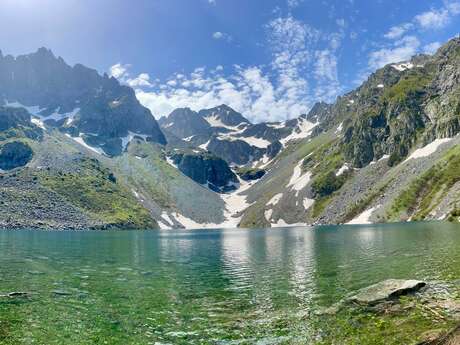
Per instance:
x=269, y=59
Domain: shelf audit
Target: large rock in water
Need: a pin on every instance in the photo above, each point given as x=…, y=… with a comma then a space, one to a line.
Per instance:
x=386, y=290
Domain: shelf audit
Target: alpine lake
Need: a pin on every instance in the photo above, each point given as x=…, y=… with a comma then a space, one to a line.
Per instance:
x=226, y=287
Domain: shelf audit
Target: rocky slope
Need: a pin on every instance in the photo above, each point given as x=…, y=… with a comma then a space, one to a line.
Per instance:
x=384, y=152
x=78, y=150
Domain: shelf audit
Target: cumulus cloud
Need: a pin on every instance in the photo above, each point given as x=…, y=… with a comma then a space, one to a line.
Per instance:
x=397, y=31
x=142, y=79
x=401, y=50
x=404, y=38
x=274, y=92
x=118, y=70
x=434, y=19
x=218, y=35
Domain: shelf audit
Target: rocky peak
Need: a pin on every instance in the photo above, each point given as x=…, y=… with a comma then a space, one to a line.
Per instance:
x=98, y=105
x=223, y=114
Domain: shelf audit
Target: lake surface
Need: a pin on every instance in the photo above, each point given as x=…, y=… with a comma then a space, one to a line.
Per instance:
x=203, y=286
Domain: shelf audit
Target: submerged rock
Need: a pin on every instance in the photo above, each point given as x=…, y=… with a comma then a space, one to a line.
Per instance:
x=16, y=294
x=386, y=290
x=61, y=293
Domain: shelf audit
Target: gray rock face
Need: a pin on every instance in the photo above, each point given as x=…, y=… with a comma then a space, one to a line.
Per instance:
x=184, y=122
x=386, y=290
x=207, y=170
x=229, y=135
x=106, y=108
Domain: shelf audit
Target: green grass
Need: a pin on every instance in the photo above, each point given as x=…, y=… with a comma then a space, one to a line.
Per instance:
x=95, y=190
x=424, y=193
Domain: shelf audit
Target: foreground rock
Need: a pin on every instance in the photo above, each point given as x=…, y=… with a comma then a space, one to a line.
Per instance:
x=451, y=338
x=386, y=290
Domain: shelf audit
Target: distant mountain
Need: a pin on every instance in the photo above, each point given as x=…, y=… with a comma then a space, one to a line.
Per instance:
x=229, y=135
x=77, y=150
x=93, y=108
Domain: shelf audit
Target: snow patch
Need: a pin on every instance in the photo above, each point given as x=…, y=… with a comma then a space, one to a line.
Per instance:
x=80, y=140
x=171, y=162
x=205, y=145
x=307, y=203
x=34, y=109
x=38, y=123
x=364, y=217
x=428, y=149
x=215, y=121
x=268, y=214
x=298, y=180
x=301, y=131
x=127, y=139
x=342, y=170
x=403, y=66
x=274, y=200
x=253, y=141
x=339, y=128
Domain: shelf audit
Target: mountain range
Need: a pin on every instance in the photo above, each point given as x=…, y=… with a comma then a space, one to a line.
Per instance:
x=78, y=150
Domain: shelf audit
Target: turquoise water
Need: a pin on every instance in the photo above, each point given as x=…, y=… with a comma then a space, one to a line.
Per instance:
x=203, y=286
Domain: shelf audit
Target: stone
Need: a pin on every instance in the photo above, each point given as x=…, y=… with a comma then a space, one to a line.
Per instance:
x=386, y=290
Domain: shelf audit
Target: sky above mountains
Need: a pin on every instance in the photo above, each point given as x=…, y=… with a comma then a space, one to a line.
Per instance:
x=271, y=60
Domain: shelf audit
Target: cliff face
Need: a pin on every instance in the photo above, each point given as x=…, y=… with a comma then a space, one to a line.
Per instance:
x=78, y=150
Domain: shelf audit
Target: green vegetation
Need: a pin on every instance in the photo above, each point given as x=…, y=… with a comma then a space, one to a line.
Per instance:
x=319, y=205
x=94, y=189
x=328, y=183
x=425, y=192
x=408, y=322
x=411, y=85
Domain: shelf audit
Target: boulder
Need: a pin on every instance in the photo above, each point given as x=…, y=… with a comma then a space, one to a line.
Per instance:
x=386, y=290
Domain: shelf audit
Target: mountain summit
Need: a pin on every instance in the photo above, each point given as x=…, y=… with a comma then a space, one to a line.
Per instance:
x=77, y=150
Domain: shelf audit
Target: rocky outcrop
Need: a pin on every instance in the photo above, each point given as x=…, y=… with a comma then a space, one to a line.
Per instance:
x=386, y=290
x=248, y=174
x=206, y=169
x=76, y=99
x=14, y=155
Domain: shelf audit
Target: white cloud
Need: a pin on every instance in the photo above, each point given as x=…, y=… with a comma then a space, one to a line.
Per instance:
x=142, y=79
x=212, y=2
x=294, y=3
x=397, y=31
x=431, y=48
x=401, y=50
x=273, y=92
x=434, y=19
x=217, y=35
x=118, y=70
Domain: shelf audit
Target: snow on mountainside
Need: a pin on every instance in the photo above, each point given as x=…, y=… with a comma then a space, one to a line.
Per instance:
x=229, y=135
x=93, y=157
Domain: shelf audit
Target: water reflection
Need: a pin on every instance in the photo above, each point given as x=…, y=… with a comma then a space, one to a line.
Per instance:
x=215, y=282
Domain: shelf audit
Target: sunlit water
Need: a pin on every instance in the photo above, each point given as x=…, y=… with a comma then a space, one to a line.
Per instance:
x=203, y=287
